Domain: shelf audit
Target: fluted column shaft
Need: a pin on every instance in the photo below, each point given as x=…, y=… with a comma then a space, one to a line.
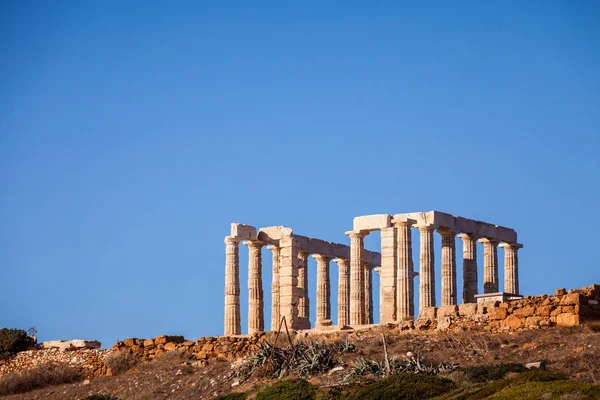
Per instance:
x=469, y=267
x=323, y=290
x=343, y=291
x=426, y=268
x=232, y=287
x=357, y=278
x=289, y=292
x=490, y=265
x=511, y=267
x=275, y=289
x=388, y=272
x=256, y=321
x=368, y=294
x=304, y=303
x=449, y=296
x=404, y=296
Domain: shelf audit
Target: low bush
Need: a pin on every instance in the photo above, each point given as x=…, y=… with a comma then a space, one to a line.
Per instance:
x=100, y=396
x=42, y=376
x=404, y=386
x=12, y=341
x=594, y=327
x=490, y=372
x=297, y=389
x=120, y=362
x=231, y=396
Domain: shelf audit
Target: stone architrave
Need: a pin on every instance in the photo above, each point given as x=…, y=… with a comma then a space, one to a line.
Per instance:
x=426, y=268
x=357, y=276
x=388, y=271
x=304, y=303
x=343, y=291
x=490, y=265
x=511, y=267
x=470, y=280
x=449, y=296
x=256, y=320
x=275, y=289
x=232, y=287
x=323, y=291
x=368, y=294
x=404, y=294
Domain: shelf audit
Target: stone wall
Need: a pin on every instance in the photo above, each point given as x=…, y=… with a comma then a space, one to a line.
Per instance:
x=563, y=309
x=91, y=360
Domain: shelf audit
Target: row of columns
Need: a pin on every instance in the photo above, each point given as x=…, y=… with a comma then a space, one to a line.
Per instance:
x=397, y=271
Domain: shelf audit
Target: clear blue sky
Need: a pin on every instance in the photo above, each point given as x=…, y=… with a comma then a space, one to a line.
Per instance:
x=133, y=133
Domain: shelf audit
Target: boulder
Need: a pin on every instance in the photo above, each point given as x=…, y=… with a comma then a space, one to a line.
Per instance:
x=71, y=344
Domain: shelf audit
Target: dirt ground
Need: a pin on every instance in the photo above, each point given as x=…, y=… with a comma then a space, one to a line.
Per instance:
x=574, y=351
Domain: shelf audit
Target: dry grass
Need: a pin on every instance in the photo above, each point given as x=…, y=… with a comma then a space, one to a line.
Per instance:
x=120, y=362
x=40, y=377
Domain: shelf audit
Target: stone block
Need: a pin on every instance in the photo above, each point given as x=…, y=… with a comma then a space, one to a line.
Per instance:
x=506, y=234
x=148, y=343
x=486, y=306
x=572, y=299
x=544, y=311
x=169, y=339
x=447, y=311
x=486, y=230
x=498, y=313
x=567, y=319
x=243, y=232
x=71, y=344
x=526, y=311
x=512, y=322
x=465, y=225
x=533, y=321
x=170, y=346
x=560, y=292
x=373, y=222
x=467, y=309
x=428, y=313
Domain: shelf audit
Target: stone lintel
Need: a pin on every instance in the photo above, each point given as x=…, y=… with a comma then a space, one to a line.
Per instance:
x=243, y=232
x=373, y=222
x=403, y=220
x=488, y=240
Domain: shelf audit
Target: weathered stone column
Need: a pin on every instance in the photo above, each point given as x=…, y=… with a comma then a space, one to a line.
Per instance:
x=469, y=267
x=357, y=278
x=304, y=304
x=275, y=289
x=404, y=298
x=256, y=320
x=233, y=324
x=323, y=291
x=368, y=294
x=511, y=267
x=448, y=267
x=490, y=265
x=289, y=292
x=343, y=291
x=426, y=268
x=388, y=271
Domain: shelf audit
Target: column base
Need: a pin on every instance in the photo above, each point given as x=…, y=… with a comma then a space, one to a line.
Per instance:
x=324, y=323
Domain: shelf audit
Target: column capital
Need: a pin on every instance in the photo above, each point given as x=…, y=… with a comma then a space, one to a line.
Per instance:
x=254, y=244
x=446, y=232
x=303, y=255
x=514, y=246
x=231, y=240
x=403, y=221
x=468, y=236
x=272, y=247
x=341, y=262
x=486, y=240
x=357, y=234
x=426, y=227
x=321, y=257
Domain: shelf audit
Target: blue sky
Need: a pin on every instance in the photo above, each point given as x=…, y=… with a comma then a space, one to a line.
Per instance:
x=133, y=133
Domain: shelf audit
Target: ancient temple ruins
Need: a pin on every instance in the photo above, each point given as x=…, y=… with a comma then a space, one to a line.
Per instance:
x=394, y=264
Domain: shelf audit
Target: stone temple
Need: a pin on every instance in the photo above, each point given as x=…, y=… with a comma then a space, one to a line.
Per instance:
x=355, y=294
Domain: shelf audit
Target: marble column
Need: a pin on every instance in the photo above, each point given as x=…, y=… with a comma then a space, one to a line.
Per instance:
x=368, y=294
x=511, y=267
x=256, y=320
x=490, y=265
x=388, y=272
x=289, y=292
x=469, y=267
x=232, y=287
x=275, y=289
x=357, y=278
x=304, y=303
x=343, y=291
x=404, y=298
x=426, y=267
x=449, y=296
x=323, y=291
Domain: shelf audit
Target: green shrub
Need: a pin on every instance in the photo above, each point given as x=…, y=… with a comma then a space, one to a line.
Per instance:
x=12, y=341
x=39, y=377
x=297, y=389
x=490, y=372
x=231, y=396
x=404, y=386
x=534, y=390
